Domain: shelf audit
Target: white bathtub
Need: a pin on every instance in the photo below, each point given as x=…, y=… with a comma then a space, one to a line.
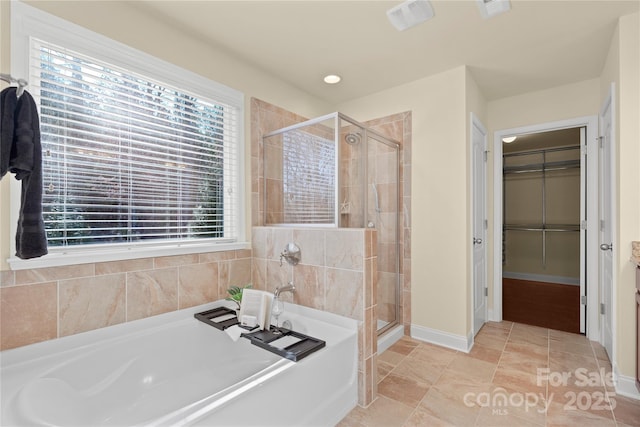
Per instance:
x=175, y=370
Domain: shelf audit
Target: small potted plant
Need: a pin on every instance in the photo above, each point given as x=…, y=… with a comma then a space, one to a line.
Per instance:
x=235, y=294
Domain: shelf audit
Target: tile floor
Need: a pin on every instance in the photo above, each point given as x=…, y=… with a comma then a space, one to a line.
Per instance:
x=515, y=375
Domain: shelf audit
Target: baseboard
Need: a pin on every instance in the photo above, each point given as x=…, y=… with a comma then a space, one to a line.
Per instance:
x=626, y=386
x=441, y=338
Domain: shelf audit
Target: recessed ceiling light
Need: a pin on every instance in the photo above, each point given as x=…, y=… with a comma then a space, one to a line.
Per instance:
x=509, y=139
x=332, y=79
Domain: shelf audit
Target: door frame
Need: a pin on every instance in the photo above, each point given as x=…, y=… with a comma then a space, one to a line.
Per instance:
x=476, y=123
x=592, y=327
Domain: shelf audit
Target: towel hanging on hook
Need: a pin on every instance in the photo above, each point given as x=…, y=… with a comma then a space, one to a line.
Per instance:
x=22, y=83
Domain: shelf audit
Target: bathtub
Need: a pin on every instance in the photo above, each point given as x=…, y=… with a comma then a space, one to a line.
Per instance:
x=172, y=369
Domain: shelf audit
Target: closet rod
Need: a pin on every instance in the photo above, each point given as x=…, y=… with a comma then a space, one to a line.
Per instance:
x=542, y=167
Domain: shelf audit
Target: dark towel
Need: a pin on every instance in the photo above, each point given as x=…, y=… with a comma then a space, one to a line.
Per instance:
x=25, y=160
x=8, y=101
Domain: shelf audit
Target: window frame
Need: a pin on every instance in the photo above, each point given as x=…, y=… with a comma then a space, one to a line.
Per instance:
x=29, y=22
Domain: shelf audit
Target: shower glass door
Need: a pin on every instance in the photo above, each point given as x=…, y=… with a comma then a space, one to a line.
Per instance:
x=383, y=185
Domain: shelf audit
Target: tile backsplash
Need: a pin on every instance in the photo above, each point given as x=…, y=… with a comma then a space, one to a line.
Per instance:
x=46, y=303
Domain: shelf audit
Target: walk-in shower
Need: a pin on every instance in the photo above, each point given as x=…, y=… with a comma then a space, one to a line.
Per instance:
x=332, y=171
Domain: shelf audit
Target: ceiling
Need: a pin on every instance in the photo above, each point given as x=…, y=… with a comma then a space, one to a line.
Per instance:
x=536, y=45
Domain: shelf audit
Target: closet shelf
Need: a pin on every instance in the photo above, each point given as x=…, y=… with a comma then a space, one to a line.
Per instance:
x=542, y=227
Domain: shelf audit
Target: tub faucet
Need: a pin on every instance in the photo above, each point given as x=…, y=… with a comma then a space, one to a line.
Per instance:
x=289, y=287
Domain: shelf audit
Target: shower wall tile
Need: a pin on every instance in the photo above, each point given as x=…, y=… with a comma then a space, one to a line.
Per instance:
x=259, y=273
x=199, y=284
x=344, y=294
x=259, y=241
x=151, y=292
x=310, y=285
x=313, y=243
x=278, y=275
x=91, y=304
x=277, y=240
x=28, y=314
x=345, y=248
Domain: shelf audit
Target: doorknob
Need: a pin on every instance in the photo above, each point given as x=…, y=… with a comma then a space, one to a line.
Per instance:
x=606, y=247
x=477, y=241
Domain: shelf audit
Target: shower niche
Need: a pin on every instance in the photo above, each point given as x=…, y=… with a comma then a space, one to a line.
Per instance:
x=332, y=171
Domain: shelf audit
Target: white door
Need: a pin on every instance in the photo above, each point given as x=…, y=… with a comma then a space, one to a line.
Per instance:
x=479, y=158
x=607, y=224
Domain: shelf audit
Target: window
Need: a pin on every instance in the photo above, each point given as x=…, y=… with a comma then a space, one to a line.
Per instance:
x=136, y=152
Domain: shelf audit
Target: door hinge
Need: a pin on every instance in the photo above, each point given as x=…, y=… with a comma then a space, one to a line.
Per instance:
x=602, y=225
x=603, y=309
x=486, y=154
x=600, y=140
x=486, y=224
x=486, y=292
x=583, y=299
x=583, y=224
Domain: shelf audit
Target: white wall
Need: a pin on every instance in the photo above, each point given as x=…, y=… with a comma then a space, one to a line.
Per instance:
x=439, y=176
x=623, y=68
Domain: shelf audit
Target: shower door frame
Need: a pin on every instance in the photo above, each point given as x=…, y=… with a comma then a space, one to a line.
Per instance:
x=380, y=138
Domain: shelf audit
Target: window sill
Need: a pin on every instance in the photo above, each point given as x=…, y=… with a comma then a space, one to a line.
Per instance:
x=58, y=257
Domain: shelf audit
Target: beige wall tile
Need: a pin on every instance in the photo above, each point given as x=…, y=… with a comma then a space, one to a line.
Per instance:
x=124, y=266
x=233, y=273
x=344, y=293
x=91, y=304
x=277, y=275
x=7, y=278
x=311, y=243
x=310, y=285
x=259, y=241
x=259, y=273
x=198, y=284
x=28, y=314
x=345, y=248
x=277, y=240
x=175, y=261
x=48, y=274
x=216, y=256
x=151, y=292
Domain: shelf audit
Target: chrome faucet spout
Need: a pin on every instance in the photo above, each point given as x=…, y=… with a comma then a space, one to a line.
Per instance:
x=289, y=287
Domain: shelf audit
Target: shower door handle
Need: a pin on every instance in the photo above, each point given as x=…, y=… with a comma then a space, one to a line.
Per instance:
x=477, y=241
x=606, y=247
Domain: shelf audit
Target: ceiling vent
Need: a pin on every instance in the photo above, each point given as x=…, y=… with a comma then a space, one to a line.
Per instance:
x=409, y=14
x=491, y=8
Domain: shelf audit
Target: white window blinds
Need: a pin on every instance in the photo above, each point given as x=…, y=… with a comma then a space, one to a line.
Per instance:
x=309, y=170
x=129, y=159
